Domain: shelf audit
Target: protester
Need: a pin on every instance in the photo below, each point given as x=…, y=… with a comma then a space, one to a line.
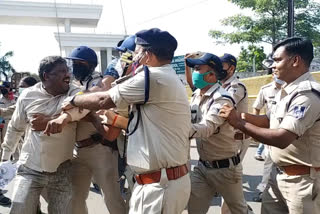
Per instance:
x=45, y=161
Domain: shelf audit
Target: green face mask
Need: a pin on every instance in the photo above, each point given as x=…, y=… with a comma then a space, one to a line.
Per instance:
x=198, y=81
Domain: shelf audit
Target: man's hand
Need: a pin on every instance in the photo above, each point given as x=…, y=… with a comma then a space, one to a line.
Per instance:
x=39, y=122
x=231, y=115
x=56, y=125
x=107, y=116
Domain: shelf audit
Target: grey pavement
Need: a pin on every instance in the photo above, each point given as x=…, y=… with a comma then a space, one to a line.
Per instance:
x=252, y=171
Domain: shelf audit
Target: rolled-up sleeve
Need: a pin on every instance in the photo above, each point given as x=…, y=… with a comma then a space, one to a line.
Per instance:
x=259, y=102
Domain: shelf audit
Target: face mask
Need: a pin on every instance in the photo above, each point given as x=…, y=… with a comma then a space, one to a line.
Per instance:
x=80, y=72
x=4, y=91
x=138, y=57
x=118, y=68
x=21, y=90
x=280, y=82
x=198, y=81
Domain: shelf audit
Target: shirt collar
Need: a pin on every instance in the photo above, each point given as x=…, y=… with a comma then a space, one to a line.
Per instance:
x=212, y=89
x=233, y=77
x=292, y=86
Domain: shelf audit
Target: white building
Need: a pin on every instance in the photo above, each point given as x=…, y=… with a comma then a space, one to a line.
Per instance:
x=67, y=15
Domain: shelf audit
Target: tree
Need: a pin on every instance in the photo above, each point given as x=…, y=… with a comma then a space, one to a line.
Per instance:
x=269, y=22
x=5, y=67
x=246, y=57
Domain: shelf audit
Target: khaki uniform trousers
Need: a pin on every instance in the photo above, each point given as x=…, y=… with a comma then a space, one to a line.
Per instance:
x=206, y=182
x=165, y=197
x=100, y=163
x=244, y=145
x=297, y=194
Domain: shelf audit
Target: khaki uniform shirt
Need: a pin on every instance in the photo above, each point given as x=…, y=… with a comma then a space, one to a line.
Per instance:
x=297, y=110
x=266, y=96
x=39, y=152
x=238, y=92
x=214, y=136
x=86, y=129
x=162, y=137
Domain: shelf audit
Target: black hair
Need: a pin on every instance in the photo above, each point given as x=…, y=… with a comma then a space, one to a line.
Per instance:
x=30, y=81
x=48, y=63
x=297, y=46
x=163, y=54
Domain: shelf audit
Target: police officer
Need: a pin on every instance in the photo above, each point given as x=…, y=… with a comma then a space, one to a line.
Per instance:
x=95, y=157
x=265, y=98
x=292, y=130
x=158, y=147
x=219, y=168
x=238, y=92
x=120, y=67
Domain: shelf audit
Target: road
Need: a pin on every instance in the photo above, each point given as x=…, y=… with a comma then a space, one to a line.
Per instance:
x=252, y=171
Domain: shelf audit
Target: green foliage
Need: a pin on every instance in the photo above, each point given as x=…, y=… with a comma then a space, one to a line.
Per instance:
x=246, y=57
x=269, y=22
x=6, y=68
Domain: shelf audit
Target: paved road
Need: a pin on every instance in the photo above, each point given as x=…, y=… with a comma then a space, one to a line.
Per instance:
x=251, y=178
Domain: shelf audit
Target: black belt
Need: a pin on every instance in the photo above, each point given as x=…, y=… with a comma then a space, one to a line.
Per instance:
x=225, y=163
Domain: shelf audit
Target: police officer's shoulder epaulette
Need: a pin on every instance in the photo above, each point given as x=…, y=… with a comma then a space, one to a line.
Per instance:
x=303, y=87
x=267, y=85
x=222, y=94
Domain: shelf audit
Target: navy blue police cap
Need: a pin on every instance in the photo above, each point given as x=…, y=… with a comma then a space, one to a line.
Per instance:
x=128, y=44
x=228, y=58
x=209, y=59
x=85, y=54
x=156, y=39
x=5, y=84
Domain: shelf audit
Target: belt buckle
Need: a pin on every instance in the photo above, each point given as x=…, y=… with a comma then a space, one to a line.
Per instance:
x=208, y=164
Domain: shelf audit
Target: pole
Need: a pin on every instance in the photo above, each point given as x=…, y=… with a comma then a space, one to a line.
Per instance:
x=254, y=64
x=290, y=18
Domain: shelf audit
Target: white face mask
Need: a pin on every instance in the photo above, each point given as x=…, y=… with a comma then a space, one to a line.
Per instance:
x=119, y=68
x=21, y=89
x=138, y=57
x=279, y=81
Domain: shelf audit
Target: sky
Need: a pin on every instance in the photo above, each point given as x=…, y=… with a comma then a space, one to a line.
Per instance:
x=189, y=21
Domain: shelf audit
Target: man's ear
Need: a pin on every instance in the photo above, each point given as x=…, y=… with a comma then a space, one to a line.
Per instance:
x=45, y=76
x=148, y=58
x=296, y=60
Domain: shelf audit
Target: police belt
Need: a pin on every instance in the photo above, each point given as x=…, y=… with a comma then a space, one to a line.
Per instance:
x=225, y=163
x=296, y=169
x=91, y=142
x=154, y=177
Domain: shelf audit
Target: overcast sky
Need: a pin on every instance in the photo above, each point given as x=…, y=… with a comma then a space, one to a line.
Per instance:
x=188, y=20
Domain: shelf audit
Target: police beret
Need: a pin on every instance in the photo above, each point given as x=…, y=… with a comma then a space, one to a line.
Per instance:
x=157, y=39
x=228, y=58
